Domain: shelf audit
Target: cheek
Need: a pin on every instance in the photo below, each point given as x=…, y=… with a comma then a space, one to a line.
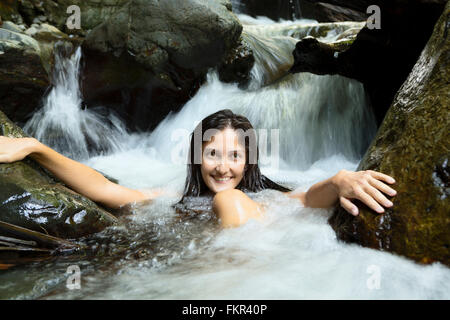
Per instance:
x=205, y=169
x=239, y=169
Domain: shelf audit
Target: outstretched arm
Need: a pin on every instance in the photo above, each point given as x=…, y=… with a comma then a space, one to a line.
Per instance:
x=77, y=176
x=367, y=186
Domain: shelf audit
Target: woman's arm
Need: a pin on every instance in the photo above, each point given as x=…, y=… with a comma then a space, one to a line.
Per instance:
x=77, y=176
x=366, y=186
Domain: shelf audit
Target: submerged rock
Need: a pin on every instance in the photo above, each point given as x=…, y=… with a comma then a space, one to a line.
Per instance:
x=412, y=145
x=31, y=198
x=151, y=56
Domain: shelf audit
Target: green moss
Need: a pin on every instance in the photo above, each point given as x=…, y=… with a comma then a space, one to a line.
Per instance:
x=412, y=146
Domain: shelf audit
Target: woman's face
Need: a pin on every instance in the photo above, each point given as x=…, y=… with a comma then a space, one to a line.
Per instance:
x=223, y=161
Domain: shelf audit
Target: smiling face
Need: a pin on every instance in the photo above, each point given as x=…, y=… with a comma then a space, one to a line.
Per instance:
x=223, y=161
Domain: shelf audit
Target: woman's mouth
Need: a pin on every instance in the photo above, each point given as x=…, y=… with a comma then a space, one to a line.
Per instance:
x=222, y=179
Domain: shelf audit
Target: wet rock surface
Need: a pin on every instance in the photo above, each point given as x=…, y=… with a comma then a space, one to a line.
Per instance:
x=153, y=65
x=32, y=199
x=295, y=9
x=23, y=78
x=237, y=65
x=412, y=145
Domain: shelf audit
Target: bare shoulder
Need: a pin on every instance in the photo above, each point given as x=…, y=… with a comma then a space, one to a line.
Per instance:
x=233, y=207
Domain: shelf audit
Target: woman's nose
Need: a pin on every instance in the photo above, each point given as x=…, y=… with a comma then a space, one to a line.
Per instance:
x=222, y=167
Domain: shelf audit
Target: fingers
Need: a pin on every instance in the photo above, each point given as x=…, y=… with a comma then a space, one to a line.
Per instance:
x=368, y=200
x=348, y=206
x=381, y=176
x=368, y=187
x=378, y=196
x=382, y=187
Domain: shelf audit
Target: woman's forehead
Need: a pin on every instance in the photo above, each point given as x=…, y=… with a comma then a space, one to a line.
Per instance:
x=227, y=138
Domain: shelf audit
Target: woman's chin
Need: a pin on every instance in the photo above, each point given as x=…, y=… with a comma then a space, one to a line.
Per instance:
x=218, y=187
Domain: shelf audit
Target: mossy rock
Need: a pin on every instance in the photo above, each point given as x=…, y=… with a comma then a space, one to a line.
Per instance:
x=412, y=145
x=32, y=199
x=8, y=9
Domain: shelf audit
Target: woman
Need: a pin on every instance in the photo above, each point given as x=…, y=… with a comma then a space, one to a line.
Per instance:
x=223, y=164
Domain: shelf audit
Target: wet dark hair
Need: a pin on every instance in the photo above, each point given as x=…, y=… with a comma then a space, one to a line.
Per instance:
x=252, y=181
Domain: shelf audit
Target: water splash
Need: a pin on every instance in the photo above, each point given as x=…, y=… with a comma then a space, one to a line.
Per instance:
x=63, y=125
x=317, y=116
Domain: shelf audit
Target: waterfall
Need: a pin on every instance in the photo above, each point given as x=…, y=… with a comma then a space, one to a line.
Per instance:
x=237, y=6
x=311, y=117
x=63, y=124
x=301, y=118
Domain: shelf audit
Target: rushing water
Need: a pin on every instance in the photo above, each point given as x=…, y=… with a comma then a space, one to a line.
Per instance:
x=62, y=122
x=316, y=124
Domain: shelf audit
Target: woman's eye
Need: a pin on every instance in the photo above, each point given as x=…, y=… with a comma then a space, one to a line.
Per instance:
x=236, y=155
x=212, y=153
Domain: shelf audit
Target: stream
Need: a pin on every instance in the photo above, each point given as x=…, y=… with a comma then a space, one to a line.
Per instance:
x=309, y=126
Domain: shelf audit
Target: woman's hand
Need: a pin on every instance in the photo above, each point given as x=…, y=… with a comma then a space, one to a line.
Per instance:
x=367, y=186
x=15, y=149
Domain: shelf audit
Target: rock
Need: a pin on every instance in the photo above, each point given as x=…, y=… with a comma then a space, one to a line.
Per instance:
x=273, y=9
x=290, y=10
x=26, y=66
x=9, y=10
x=325, y=12
x=23, y=77
x=154, y=65
x=50, y=39
x=93, y=12
x=31, y=198
x=237, y=65
x=412, y=145
x=381, y=58
x=11, y=26
x=311, y=55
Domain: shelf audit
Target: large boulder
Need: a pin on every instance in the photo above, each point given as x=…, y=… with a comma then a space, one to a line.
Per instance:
x=412, y=145
x=33, y=199
x=23, y=76
x=54, y=12
x=151, y=56
x=328, y=12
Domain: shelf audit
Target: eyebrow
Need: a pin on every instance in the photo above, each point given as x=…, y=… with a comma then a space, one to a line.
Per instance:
x=235, y=150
